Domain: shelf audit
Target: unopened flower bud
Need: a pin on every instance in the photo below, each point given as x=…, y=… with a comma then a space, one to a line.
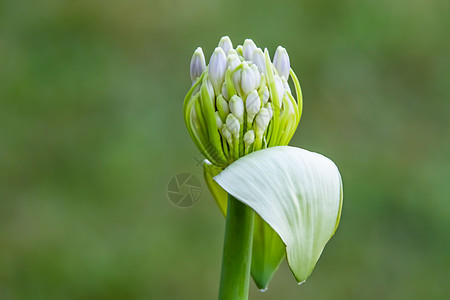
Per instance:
x=261, y=121
x=239, y=50
x=287, y=88
x=217, y=68
x=233, y=125
x=225, y=91
x=229, y=111
x=237, y=80
x=218, y=120
x=198, y=64
x=233, y=52
x=227, y=134
x=222, y=107
x=269, y=108
x=237, y=108
x=280, y=88
x=195, y=118
x=233, y=61
x=249, y=138
x=248, y=80
x=253, y=105
x=290, y=107
x=226, y=44
x=256, y=74
x=281, y=62
x=248, y=48
x=264, y=95
x=259, y=61
x=210, y=89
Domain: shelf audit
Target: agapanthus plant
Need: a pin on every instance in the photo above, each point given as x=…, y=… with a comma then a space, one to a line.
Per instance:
x=241, y=113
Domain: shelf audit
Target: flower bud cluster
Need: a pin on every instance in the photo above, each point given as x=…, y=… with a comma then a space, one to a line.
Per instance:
x=241, y=101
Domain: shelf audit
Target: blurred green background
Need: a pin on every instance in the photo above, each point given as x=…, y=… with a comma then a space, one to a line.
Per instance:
x=91, y=132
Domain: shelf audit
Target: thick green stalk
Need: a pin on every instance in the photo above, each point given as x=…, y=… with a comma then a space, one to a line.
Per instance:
x=237, y=251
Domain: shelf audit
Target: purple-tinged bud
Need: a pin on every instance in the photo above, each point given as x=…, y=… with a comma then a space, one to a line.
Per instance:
x=198, y=64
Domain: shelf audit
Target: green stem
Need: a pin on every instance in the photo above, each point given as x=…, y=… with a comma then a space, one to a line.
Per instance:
x=237, y=251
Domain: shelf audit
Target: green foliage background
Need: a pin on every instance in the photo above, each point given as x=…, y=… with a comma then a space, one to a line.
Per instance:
x=91, y=132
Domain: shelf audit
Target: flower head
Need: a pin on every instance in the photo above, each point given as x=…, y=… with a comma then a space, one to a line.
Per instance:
x=241, y=102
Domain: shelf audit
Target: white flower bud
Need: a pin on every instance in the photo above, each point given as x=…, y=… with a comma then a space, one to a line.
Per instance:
x=248, y=48
x=281, y=62
x=287, y=88
x=257, y=74
x=269, y=108
x=249, y=138
x=259, y=61
x=198, y=64
x=237, y=81
x=233, y=125
x=219, y=122
x=239, y=50
x=197, y=89
x=280, y=88
x=233, y=52
x=195, y=118
x=210, y=89
x=237, y=108
x=227, y=134
x=290, y=107
x=233, y=61
x=261, y=121
x=265, y=95
x=226, y=44
x=222, y=107
x=217, y=68
x=253, y=105
x=225, y=90
x=248, y=80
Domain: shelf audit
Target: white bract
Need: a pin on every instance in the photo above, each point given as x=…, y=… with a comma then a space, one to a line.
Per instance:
x=297, y=192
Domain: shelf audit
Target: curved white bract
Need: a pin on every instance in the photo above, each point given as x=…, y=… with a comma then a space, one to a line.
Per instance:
x=297, y=192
